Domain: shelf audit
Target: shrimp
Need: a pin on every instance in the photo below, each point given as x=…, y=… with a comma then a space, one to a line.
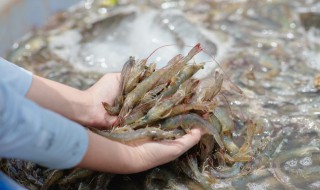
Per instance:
x=243, y=154
x=175, y=66
x=137, y=93
x=162, y=108
x=144, y=86
x=251, y=127
x=112, y=110
x=269, y=149
x=52, y=178
x=138, y=112
x=227, y=173
x=152, y=94
x=231, y=147
x=299, y=152
x=149, y=70
x=125, y=73
x=224, y=117
x=184, y=108
x=135, y=75
x=84, y=186
x=102, y=181
x=208, y=89
x=163, y=178
x=186, y=72
x=191, y=169
x=118, y=130
x=149, y=133
x=76, y=174
x=188, y=121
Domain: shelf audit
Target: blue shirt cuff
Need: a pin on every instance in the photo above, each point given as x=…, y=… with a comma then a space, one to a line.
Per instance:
x=16, y=77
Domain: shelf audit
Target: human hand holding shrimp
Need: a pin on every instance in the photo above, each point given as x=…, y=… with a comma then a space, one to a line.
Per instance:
x=104, y=154
x=105, y=90
x=84, y=107
x=135, y=156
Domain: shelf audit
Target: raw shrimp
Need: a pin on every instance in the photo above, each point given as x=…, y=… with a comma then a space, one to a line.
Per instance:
x=163, y=107
x=204, y=107
x=52, y=178
x=144, y=86
x=186, y=72
x=76, y=174
x=135, y=75
x=208, y=89
x=188, y=121
x=227, y=172
x=149, y=133
x=190, y=167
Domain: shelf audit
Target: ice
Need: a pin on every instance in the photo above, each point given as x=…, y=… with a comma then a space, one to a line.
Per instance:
x=255, y=186
x=306, y=161
x=315, y=185
x=292, y=163
x=66, y=44
x=221, y=184
x=138, y=38
x=136, y=33
x=108, y=54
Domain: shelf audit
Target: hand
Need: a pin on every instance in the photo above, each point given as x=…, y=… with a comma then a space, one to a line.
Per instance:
x=149, y=154
x=105, y=90
x=109, y=156
x=84, y=107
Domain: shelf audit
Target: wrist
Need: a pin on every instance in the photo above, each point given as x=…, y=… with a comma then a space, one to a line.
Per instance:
x=85, y=109
x=114, y=157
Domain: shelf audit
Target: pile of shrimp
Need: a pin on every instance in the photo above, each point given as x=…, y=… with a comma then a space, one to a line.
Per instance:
x=165, y=104
x=160, y=105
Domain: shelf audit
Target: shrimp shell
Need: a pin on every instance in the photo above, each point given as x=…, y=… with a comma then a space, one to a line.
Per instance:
x=149, y=133
x=192, y=120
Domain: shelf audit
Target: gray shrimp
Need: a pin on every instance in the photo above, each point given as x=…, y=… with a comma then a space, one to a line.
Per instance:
x=227, y=173
x=188, y=121
x=149, y=133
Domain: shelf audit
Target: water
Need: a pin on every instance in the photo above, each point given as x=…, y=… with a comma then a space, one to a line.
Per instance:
x=269, y=48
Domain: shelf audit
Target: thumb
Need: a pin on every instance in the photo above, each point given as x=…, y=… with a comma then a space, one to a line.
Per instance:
x=189, y=140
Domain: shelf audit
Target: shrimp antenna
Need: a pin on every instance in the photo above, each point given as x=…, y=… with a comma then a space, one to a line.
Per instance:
x=168, y=45
x=219, y=65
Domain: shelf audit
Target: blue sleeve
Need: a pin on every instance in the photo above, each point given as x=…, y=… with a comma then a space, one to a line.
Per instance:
x=16, y=77
x=30, y=132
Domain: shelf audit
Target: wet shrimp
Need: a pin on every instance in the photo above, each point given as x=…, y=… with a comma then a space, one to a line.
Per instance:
x=229, y=172
x=135, y=75
x=190, y=167
x=144, y=86
x=208, y=89
x=137, y=112
x=52, y=178
x=149, y=71
x=191, y=120
x=231, y=147
x=125, y=74
x=178, y=64
x=76, y=174
x=186, y=72
x=153, y=94
x=204, y=107
x=163, y=107
x=149, y=133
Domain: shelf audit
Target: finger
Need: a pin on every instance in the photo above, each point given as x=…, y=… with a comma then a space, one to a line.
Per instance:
x=175, y=148
x=109, y=120
x=189, y=140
